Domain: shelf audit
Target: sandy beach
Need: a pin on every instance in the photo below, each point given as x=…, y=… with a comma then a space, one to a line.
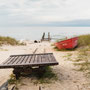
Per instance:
x=68, y=78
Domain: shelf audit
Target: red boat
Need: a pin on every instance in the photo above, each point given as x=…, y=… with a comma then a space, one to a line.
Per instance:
x=67, y=44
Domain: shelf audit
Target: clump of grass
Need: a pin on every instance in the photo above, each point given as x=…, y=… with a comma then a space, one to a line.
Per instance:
x=57, y=49
x=45, y=77
x=83, y=62
x=52, y=44
x=68, y=57
x=12, y=79
x=69, y=54
x=41, y=75
x=9, y=41
x=84, y=40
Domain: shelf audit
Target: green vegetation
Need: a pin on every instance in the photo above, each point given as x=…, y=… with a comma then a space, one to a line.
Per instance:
x=81, y=60
x=12, y=79
x=84, y=40
x=9, y=41
x=45, y=77
x=39, y=75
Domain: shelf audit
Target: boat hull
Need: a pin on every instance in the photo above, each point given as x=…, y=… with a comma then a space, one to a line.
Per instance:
x=67, y=44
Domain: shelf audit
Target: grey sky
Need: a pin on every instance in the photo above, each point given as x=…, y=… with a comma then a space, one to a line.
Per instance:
x=28, y=12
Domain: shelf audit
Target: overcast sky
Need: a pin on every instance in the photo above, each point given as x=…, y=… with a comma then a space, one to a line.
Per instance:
x=32, y=12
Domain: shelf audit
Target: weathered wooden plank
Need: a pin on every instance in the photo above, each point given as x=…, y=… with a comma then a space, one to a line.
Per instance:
x=10, y=60
x=43, y=58
x=35, y=59
x=47, y=58
x=30, y=54
x=14, y=60
x=5, y=62
x=39, y=60
x=52, y=57
x=21, y=60
x=29, y=65
x=25, y=59
x=30, y=60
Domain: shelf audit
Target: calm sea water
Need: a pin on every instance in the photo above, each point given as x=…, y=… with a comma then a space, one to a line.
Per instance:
x=32, y=33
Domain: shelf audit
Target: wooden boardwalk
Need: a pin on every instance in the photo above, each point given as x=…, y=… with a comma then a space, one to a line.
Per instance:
x=29, y=60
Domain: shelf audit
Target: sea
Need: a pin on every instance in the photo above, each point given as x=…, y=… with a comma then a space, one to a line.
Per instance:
x=35, y=33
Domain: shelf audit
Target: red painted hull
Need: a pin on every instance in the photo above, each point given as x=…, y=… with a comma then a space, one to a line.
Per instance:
x=67, y=44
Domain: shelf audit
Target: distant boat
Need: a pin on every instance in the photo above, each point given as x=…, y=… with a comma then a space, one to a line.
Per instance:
x=67, y=44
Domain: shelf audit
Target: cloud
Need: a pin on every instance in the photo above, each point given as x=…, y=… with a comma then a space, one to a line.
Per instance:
x=42, y=11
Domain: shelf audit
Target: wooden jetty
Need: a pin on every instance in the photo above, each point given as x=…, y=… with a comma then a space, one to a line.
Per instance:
x=46, y=39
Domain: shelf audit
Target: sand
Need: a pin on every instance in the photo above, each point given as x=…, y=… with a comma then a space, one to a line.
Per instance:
x=68, y=78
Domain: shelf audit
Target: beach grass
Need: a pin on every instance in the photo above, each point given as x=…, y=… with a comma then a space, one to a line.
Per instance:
x=84, y=40
x=9, y=41
x=12, y=79
x=48, y=76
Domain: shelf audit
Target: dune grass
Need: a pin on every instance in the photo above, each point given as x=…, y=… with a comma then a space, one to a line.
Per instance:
x=46, y=77
x=8, y=41
x=83, y=62
x=84, y=40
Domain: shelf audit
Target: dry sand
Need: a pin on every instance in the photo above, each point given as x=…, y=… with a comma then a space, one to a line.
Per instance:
x=68, y=78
